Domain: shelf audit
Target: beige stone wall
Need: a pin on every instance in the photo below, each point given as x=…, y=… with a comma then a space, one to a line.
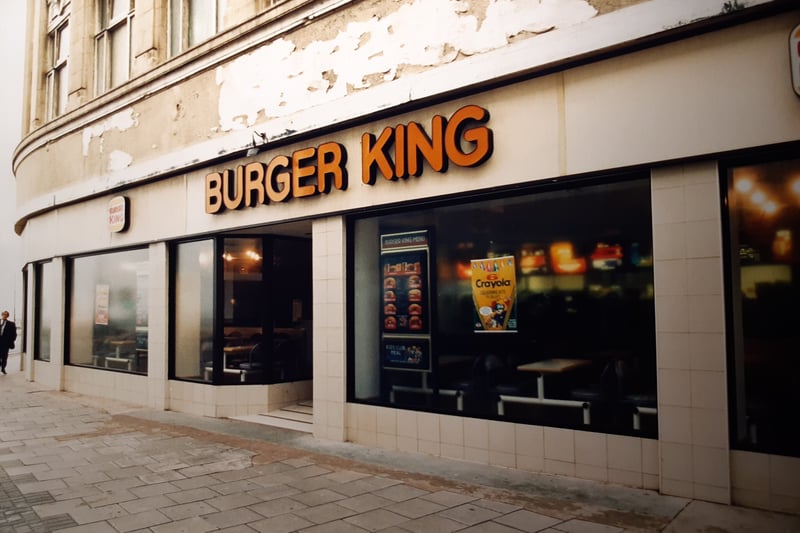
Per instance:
x=267, y=70
x=264, y=67
x=657, y=105
x=604, y=7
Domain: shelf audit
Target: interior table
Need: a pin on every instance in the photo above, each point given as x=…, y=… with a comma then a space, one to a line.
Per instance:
x=542, y=368
x=233, y=351
x=443, y=361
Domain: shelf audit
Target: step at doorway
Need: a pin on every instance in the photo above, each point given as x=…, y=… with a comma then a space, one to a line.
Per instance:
x=298, y=416
x=303, y=410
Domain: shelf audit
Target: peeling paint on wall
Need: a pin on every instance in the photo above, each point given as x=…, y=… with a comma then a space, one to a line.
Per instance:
x=119, y=160
x=120, y=121
x=278, y=79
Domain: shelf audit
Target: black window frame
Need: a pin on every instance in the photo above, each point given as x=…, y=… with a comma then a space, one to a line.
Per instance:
x=727, y=163
x=498, y=193
x=38, y=269
x=69, y=266
x=267, y=318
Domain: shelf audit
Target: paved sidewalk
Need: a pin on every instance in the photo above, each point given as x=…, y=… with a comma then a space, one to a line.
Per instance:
x=75, y=463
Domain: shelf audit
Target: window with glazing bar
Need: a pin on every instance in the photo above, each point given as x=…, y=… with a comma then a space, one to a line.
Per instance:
x=194, y=21
x=113, y=43
x=57, y=55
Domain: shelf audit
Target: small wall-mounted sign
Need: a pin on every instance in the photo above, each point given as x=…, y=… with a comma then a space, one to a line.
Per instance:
x=794, y=53
x=118, y=214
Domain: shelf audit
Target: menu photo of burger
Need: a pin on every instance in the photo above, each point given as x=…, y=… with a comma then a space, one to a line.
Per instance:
x=414, y=295
x=414, y=282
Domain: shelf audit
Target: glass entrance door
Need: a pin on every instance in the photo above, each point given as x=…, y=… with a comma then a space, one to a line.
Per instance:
x=266, y=301
x=259, y=294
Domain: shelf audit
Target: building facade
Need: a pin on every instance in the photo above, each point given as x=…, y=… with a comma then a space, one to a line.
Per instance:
x=552, y=236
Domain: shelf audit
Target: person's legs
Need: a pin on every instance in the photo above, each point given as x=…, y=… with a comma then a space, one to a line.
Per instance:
x=3, y=359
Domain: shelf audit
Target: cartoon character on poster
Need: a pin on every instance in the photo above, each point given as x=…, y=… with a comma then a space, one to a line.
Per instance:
x=494, y=294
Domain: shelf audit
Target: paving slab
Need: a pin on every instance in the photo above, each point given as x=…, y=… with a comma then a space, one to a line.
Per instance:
x=72, y=463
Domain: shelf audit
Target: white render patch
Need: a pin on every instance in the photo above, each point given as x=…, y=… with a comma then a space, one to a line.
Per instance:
x=119, y=160
x=120, y=121
x=278, y=79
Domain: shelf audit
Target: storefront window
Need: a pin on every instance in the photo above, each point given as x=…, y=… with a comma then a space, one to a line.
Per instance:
x=194, y=310
x=764, y=219
x=263, y=311
x=108, y=311
x=290, y=311
x=536, y=308
x=47, y=304
x=243, y=351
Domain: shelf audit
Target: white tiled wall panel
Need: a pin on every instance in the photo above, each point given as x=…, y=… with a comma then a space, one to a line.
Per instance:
x=692, y=390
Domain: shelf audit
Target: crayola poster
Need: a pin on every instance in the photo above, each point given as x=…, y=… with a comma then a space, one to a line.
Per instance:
x=494, y=294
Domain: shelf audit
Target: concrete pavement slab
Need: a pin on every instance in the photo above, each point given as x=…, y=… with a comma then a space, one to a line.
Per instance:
x=117, y=467
x=699, y=516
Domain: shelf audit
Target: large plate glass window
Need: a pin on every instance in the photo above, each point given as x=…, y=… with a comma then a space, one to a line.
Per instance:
x=108, y=318
x=764, y=222
x=536, y=308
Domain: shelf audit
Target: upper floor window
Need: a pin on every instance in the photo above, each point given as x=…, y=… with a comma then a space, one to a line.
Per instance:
x=194, y=21
x=57, y=56
x=113, y=43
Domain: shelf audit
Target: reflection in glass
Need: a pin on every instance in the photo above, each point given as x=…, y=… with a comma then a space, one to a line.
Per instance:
x=202, y=20
x=243, y=309
x=266, y=303
x=119, y=43
x=194, y=310
x=47, y=306
x=108, y=311
x=258, y=330
x=583, y=353
x=291, y=311
x=765, y=283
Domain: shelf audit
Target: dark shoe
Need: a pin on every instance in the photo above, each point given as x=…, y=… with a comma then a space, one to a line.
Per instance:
x=4, y=371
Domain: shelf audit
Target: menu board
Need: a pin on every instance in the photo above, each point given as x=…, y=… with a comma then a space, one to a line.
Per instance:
x=405, y=306
x=405, y=302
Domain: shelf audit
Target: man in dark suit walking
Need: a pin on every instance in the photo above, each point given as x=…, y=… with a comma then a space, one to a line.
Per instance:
x=8, y=334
